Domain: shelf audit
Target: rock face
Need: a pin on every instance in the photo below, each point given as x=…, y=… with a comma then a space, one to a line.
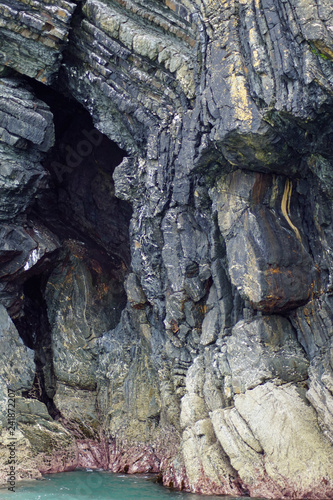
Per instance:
x=166, y=273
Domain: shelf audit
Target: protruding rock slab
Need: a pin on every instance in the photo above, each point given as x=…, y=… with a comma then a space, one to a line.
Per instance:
x=34, y=36
x=266, y=250
x=296, y=457
x=264, y=349
x=17, y=366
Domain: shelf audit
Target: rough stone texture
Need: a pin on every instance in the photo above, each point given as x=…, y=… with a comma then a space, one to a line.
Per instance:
x=17, y=361
x=27, y=130
x=26, y=467
x=53, y=448
x=41, y=444
x=268, y=261
x=177, y=293
x=33, y=35
x=207, y=465
x=290, y=438
x=264, y=349
x=270, y=455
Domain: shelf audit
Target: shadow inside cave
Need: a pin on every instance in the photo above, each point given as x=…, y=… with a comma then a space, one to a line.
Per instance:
x=79, y=206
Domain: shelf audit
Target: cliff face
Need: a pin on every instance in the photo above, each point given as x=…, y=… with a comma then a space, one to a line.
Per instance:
x=166, y=272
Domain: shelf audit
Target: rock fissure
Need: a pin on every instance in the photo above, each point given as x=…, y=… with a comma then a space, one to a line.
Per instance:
x=35, y=331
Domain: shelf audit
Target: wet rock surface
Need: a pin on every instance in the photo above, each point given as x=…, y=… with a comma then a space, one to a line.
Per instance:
x=167, y=298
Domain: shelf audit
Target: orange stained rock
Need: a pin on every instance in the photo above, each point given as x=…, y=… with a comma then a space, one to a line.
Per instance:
x=103, y=289
x=171, y=5
x=307, y=316
x=61, y=13
x=96, y=266
x=40, y=72
x=274, y=270
x=174, y=326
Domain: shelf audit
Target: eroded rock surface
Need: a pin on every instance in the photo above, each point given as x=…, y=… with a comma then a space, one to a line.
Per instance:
x=173, y=299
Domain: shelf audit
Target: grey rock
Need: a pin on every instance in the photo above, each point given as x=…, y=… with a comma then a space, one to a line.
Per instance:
x=252, y=353
x=33, y=39
x=17, y=361
x=285, y=404
x=210, y=327
x=264, y=269
x=320, y=392
x=134, y=292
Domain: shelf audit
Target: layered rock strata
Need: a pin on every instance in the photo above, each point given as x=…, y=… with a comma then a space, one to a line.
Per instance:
x=33, y=36
x=184, y=285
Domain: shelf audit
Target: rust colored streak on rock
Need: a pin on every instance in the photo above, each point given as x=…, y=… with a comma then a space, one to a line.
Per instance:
x=260, y=186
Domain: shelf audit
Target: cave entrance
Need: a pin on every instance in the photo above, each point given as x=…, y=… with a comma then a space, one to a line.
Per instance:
x=79, y=294
x=81, y=201
x=35, y=331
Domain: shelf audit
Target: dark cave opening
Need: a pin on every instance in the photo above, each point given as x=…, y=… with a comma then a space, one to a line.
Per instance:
x=80, y=201
x=79, y=206
x=35, y=331
x=33, y=311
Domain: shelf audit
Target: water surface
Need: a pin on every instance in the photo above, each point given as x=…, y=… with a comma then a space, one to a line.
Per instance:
x=98, y=485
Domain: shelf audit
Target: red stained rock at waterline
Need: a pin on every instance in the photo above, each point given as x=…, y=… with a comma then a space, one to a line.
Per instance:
x=174, y=478
x=58, y=462
x=177, y=479
x=93, y=454
x=133, y=460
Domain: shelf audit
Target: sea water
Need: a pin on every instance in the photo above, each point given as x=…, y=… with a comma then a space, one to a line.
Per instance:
x=98, y=485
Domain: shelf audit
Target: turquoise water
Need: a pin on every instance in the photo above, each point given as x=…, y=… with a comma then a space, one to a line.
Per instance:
x=97, y=485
